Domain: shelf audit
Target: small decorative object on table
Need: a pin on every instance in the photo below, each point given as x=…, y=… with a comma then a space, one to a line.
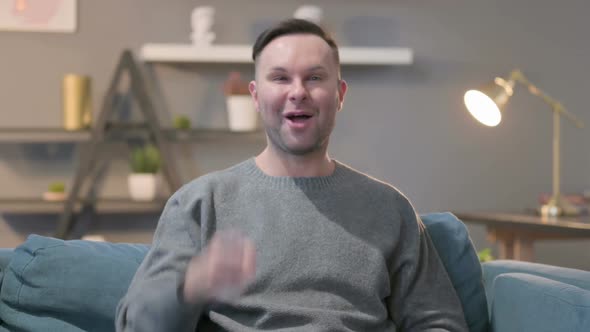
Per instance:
x=242, y=114
x=145, y=164
x=55, y=192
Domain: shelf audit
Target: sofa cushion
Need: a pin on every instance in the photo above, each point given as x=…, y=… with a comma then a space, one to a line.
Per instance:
x=568, y=276
x=5, y=255
x=456, y=251
x=56, y=285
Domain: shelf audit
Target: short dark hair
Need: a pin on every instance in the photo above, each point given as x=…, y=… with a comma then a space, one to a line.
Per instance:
x=290, y=27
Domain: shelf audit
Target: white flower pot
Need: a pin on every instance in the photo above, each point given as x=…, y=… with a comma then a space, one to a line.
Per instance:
x=54, y=196
x=143, y=186
x=242, y=115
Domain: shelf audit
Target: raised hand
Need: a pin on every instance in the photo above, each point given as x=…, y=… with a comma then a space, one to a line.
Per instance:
x=222, y=270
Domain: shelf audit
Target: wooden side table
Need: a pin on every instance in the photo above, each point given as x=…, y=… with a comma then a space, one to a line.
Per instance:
x=515, y=234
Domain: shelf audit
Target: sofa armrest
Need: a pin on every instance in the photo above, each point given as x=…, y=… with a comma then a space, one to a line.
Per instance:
x=574, y=277
x=568, y=276
x=524, y=302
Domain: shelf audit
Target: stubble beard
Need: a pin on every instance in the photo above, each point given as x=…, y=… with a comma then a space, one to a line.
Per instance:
x=280, y=143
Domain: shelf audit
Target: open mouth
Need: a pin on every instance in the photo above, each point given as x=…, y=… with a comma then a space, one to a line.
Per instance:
x=298, y=117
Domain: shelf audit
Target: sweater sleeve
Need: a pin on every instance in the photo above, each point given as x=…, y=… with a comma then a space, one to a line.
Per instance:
x=422, y=295
x=154, y=300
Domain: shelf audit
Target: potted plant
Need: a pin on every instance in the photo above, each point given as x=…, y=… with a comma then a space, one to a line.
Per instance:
x=182, y=122
x=145, y=162
x=242, y=115
x=56, y=191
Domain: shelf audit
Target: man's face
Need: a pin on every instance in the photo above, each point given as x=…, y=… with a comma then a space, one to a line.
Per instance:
x=298, y=92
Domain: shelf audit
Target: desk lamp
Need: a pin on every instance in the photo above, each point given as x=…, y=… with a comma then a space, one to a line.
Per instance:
x=487, y=105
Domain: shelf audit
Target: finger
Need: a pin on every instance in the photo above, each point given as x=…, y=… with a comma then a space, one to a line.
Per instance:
x=249, y=261
x=196, y=281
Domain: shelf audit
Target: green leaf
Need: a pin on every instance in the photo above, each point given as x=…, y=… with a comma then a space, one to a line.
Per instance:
x=57, y=187
x=485, y=255
x=182, y=122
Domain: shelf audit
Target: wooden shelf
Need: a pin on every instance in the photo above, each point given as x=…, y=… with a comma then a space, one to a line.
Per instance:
x=187, y=53
x=42, y=135
x=201, y=134
x=120, y=132
x=103, y=205
x=116, y=133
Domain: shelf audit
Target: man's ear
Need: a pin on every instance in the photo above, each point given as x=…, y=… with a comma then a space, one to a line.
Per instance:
x=342, y=88
x=253, y=93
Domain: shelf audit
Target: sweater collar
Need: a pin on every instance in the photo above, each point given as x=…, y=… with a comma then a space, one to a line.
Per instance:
x=282, y=182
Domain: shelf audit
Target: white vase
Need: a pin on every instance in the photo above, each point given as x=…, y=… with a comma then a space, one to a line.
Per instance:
x=54, y=196
x=142, y=186
x=242, y=115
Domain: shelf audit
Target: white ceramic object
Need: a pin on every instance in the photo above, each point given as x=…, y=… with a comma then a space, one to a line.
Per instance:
x=142, y=186
x=242, y=115
x=310, y=13
x=202, y=19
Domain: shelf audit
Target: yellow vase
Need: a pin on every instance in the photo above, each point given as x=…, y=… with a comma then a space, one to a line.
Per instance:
x=77, y=103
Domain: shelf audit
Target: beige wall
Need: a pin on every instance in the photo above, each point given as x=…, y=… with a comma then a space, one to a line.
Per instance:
x=405, y=125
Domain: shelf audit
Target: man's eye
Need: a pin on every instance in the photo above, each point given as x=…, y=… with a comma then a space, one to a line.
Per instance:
x=279, y=78
x=315, y=78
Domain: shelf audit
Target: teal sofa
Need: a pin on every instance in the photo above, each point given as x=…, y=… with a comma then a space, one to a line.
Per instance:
x=48, y=284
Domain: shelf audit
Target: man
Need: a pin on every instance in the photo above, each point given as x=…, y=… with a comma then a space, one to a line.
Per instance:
x=291, y=240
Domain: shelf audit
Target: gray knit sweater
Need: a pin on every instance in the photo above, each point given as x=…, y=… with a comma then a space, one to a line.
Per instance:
x=343, y=252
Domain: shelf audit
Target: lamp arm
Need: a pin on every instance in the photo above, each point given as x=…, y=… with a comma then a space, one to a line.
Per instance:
x=556, y=106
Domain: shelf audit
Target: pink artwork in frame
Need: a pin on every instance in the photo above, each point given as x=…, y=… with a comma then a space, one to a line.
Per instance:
x=38, y=15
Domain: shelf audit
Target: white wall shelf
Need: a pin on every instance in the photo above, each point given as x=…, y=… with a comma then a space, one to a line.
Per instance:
x=187, y=53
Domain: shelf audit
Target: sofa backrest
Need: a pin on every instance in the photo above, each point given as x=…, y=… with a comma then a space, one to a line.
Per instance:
x=457, y=253
x=56, y=285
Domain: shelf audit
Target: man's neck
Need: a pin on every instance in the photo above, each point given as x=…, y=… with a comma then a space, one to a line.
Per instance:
x=294, y=166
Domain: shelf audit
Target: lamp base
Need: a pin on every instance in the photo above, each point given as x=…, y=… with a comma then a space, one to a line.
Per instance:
x=557, y=206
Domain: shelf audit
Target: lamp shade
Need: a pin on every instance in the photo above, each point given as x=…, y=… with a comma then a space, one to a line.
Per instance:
x=486, y=104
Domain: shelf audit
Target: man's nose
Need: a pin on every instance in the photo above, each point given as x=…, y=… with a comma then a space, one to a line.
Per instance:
x=298, y=91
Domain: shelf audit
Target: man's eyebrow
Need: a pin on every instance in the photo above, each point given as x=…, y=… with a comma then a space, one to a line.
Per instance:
x=278, y=69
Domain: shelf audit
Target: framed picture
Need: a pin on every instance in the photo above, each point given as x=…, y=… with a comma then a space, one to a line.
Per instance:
x=38, y=15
